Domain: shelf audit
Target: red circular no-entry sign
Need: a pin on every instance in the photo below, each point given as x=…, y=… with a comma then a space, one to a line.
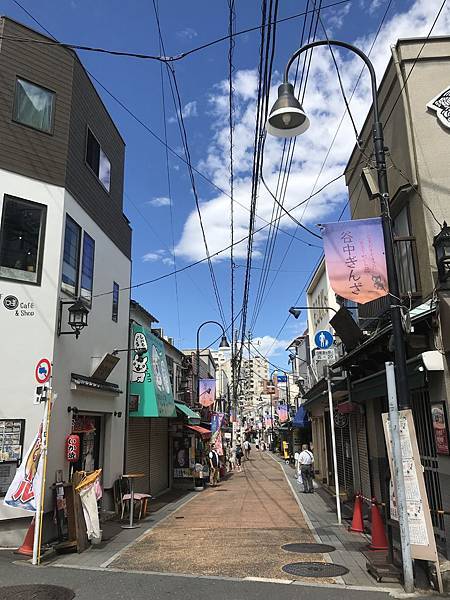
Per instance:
x=43, y=371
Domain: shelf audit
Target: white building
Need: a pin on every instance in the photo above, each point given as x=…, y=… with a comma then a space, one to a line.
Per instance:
x=63, y=236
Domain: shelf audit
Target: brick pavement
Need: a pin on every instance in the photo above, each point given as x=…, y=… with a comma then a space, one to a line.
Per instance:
x=235, y=530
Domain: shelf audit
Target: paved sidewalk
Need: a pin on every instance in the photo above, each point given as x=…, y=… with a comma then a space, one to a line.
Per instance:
x=234, y=530
x=349, y=545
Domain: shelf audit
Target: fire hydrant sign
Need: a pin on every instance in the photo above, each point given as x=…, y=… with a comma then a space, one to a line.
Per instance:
x=43, y=371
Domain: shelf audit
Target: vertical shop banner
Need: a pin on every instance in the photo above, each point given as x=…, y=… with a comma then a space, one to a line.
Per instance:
x=216, y=433
x=150, y=381
x=282, y=412
x=24, y=491
x=355, y=259
x=207, y=392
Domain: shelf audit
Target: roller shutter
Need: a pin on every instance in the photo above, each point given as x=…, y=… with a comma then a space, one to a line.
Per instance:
x=159, y=456
x=363, y=455
x=344, y=452
x=138, y=458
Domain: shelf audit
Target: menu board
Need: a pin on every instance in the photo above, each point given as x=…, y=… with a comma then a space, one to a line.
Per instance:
x=11, y=439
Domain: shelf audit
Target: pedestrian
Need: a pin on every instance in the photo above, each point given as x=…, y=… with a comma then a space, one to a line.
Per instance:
x=232, y=458
x=247, y=448
x=306, y=462
x=213, y=458
x=239, y=453
x=257, y=444
x=263, y=446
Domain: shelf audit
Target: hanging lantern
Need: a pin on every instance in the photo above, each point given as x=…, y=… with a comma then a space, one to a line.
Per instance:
x=73, y=447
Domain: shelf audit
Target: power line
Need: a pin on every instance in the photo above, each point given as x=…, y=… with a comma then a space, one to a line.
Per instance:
x=183, y=133
x=163, y=59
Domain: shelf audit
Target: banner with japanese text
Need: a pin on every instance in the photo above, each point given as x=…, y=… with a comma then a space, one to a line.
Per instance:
x=282, y=412
x=207, y=392
x=355, y=259
x=216, y=433
x=25, y=489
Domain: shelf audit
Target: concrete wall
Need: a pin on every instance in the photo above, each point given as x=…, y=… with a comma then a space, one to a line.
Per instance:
x=26, y=339
x=102, y=335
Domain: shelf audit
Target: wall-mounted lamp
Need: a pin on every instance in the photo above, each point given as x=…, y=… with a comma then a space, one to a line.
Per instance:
x=78, y=317
x=73, y=409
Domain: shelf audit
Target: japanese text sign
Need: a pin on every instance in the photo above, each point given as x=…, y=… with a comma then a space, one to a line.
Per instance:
x=355, y=259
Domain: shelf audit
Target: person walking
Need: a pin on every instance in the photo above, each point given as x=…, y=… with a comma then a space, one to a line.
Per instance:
x=213, y=458
x=239, y=453
x=306, y=462
x=247, y=448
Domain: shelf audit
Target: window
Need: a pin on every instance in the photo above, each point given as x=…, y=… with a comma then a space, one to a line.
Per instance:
x=87, y=268
x=34, y=106
x=22, y=239
x=71, y=257
x=405, y=253
x=97, y=160
x=115, y=302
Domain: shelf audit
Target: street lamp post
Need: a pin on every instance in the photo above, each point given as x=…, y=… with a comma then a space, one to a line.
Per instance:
x=287, y=119
x=223, y=344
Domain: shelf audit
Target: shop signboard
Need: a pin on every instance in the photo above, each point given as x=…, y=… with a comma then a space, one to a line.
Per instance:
x=150, y=379
x=440, y=428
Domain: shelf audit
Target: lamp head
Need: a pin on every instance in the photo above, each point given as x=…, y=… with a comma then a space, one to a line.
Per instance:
x=295, y=312
x=224, y=342
x=287, y=117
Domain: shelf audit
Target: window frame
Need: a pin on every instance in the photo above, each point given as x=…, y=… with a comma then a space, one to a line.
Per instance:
x=14, y=119
x=97, y=176
x=77, y=287
x=411, y=238
x=42, y=232
x=115, y=314
x=82, y=298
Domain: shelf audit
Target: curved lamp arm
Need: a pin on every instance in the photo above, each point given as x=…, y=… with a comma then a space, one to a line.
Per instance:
x=350, y=47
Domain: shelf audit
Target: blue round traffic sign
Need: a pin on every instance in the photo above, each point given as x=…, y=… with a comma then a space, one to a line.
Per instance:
x=323, y=339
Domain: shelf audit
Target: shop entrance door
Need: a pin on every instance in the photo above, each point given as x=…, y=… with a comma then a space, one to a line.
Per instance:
x=89, y=429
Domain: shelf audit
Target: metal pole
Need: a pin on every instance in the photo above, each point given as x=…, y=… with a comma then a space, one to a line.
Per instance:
x=380, y=160
x=398, y=477
x=333, y=444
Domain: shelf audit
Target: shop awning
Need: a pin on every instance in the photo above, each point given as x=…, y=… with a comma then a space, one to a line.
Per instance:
x=301, y=419
x=193, y=417
x=205, y=433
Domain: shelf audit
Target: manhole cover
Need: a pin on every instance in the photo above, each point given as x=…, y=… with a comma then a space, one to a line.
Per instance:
x=315, y=569
x=308, y=548
x=36, y=592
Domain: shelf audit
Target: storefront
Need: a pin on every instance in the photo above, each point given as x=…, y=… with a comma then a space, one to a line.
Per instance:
x=151, y=408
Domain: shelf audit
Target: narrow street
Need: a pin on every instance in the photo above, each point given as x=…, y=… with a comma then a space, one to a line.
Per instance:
x=235, y=530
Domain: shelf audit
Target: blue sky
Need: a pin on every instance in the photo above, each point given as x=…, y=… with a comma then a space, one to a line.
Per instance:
x=131, y=26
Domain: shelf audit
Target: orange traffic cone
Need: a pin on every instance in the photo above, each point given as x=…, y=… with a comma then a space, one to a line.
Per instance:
x=379, y=540
x=27, y=547
x=357, y=521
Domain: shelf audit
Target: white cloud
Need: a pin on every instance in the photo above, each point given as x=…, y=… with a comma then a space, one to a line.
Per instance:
x=162, y=255
x=160, y=201
x=324, y=105
x=189, y=110
x=188, y=33
x=269, y=346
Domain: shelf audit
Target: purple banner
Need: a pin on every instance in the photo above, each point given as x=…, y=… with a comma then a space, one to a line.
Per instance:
x=355, y=259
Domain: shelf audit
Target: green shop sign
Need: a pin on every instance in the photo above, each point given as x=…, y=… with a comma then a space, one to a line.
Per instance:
x=150, y=383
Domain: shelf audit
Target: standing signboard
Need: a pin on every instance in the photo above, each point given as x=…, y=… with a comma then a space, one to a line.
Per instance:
x=423, y=544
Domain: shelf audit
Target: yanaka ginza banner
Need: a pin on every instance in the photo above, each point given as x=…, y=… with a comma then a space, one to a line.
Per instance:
x=355, y=259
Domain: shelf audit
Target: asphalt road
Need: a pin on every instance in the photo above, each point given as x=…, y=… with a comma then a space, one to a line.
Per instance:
x=111, y=585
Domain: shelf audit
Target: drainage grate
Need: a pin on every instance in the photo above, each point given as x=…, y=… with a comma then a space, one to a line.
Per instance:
x=315, y=569
x=36, y=592
x=308, y=548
